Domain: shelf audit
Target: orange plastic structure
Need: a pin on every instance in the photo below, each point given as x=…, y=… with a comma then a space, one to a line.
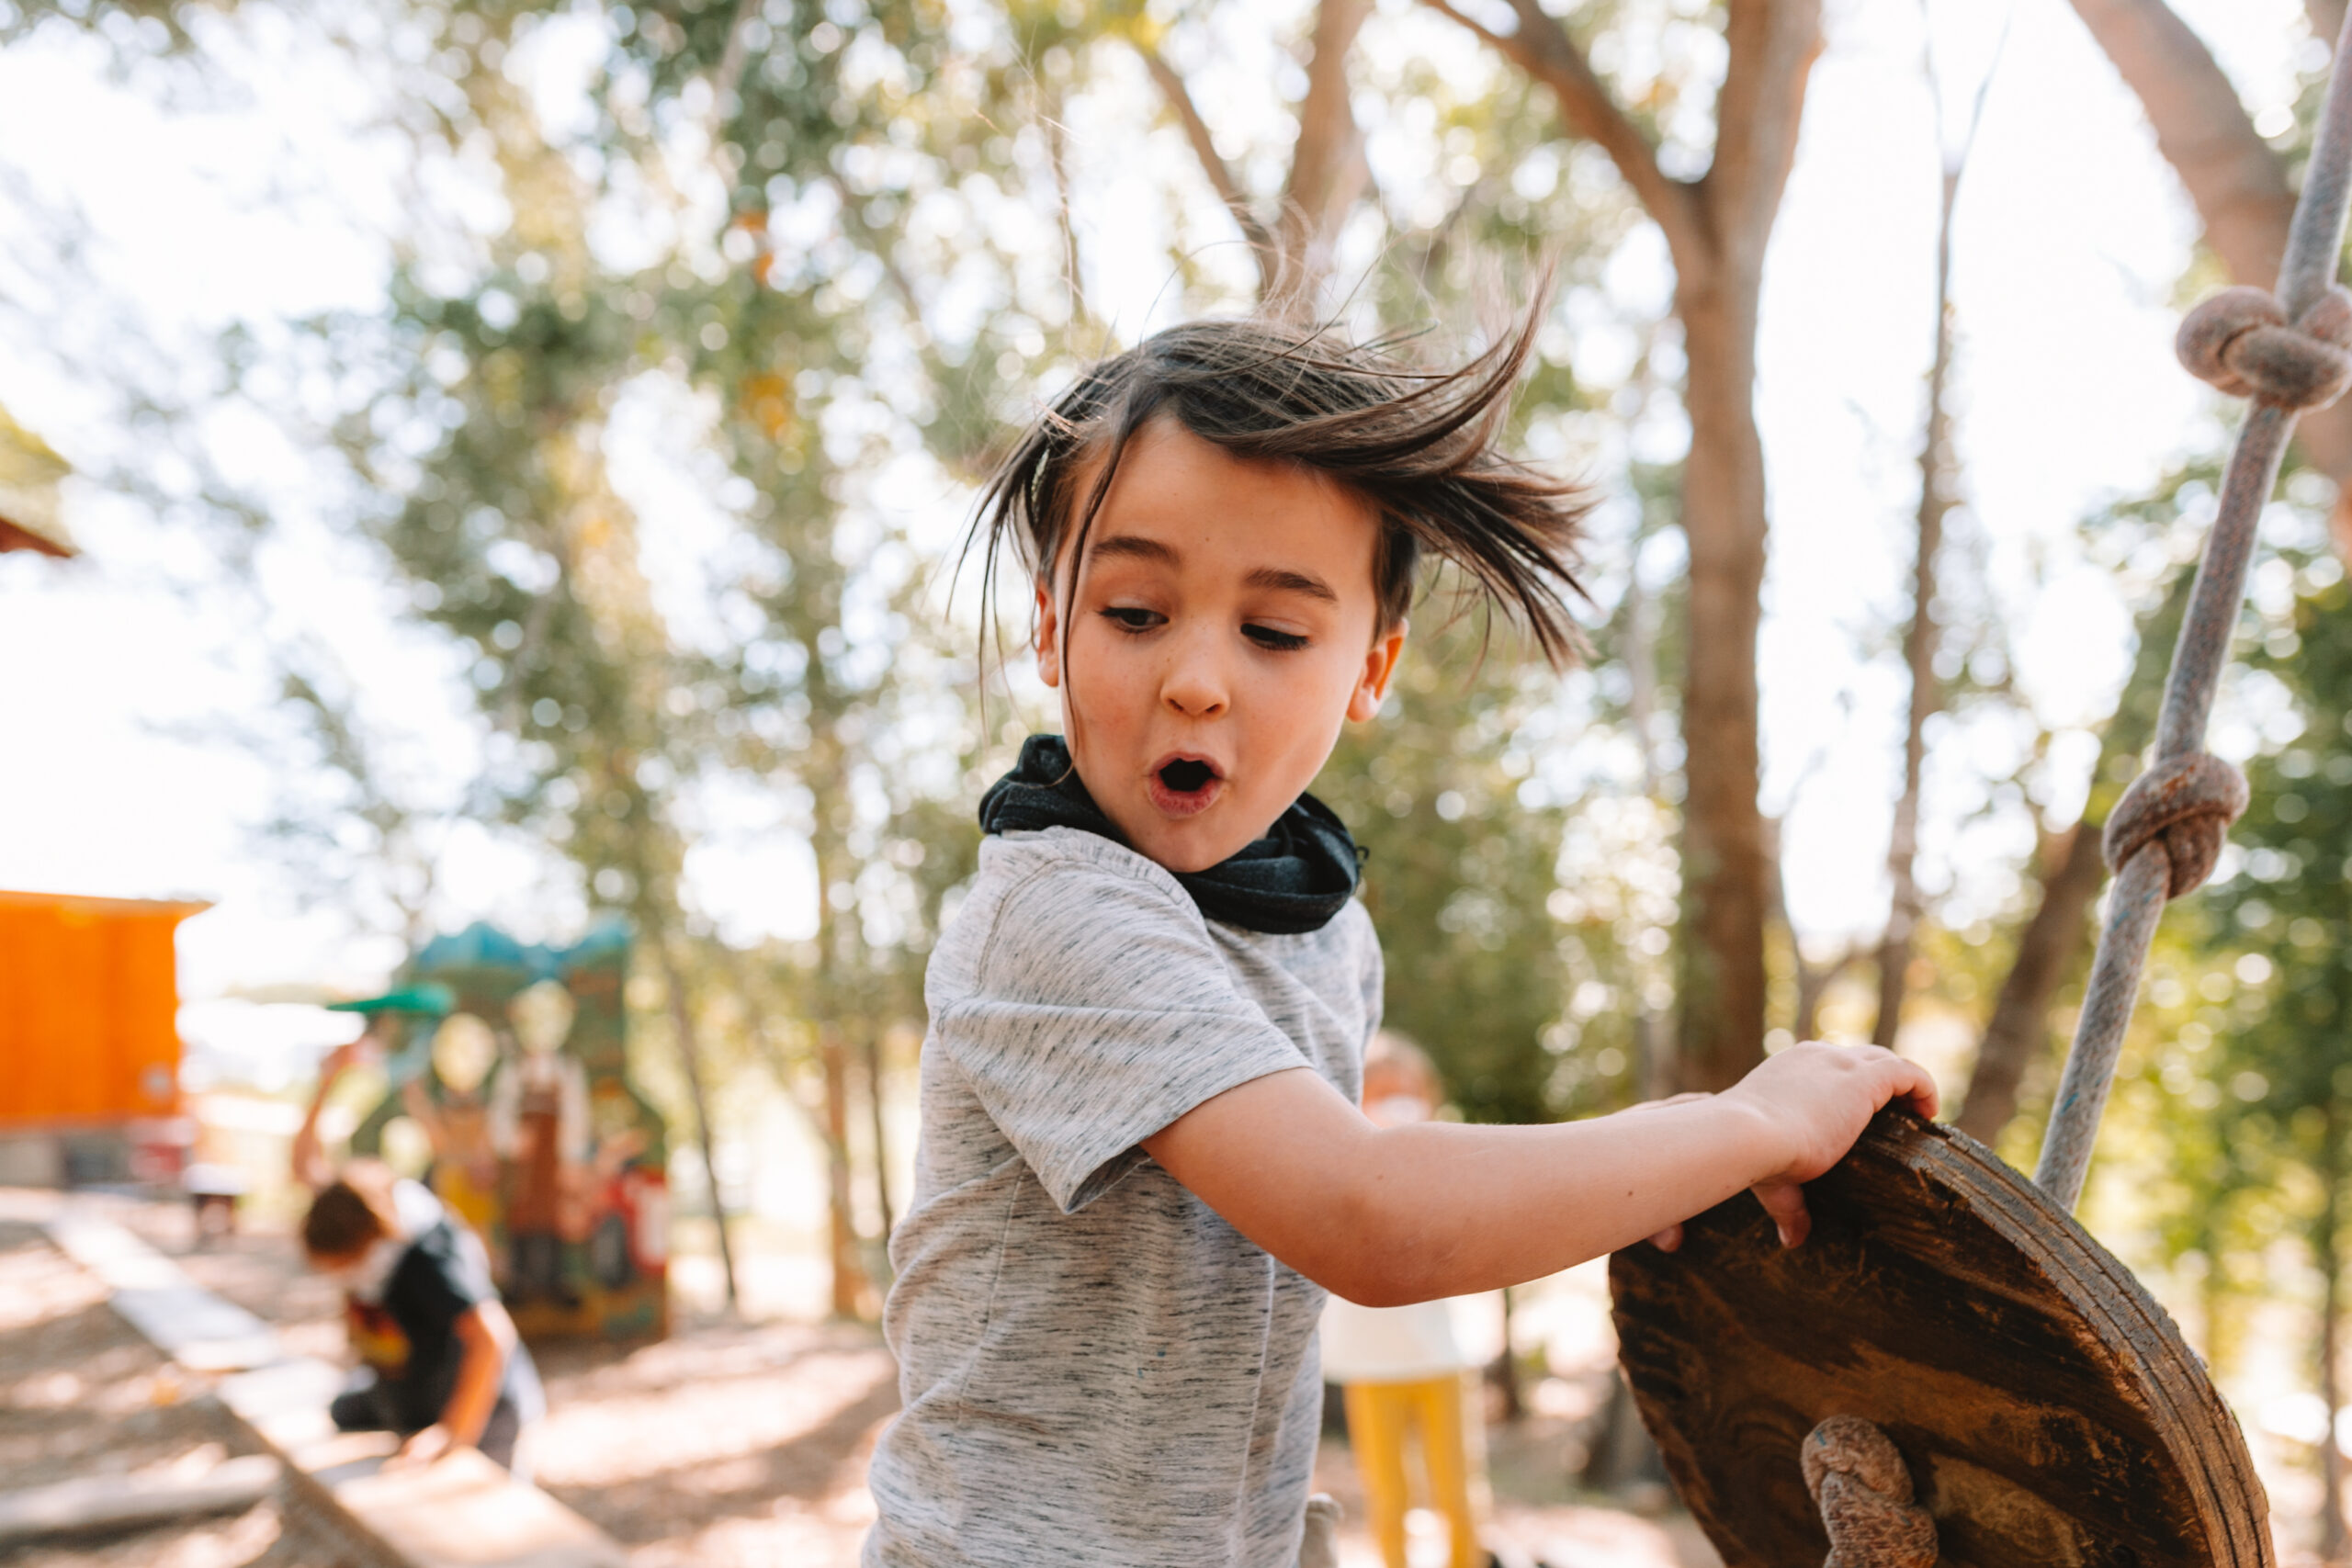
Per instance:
x=89, y=998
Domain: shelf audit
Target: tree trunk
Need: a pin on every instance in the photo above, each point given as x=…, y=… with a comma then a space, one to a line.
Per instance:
x=852, y=1294
x=1813, y=981
x=1058, y=160
x=1640, y=659
x=2047, y=948
x=2326, y=17
x=826, y=1116
x=1327, y=171
x=832, y=1004
x=2019, y=1030
x=1903, y=904
x=2236, y=181
x=682, y=1021
x=1726, y=872
x=1717, y=228
x=881, y=1140
x=1622, y=1456
x=1506, y=1370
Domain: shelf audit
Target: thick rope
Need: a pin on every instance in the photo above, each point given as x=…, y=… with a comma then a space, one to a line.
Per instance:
x=1859, y=1483
x=2288, y=352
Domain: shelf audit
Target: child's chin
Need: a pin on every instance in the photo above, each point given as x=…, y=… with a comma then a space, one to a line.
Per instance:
x=1185, y=851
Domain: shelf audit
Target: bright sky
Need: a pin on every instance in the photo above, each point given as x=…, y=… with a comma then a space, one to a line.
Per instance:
x=118, y=778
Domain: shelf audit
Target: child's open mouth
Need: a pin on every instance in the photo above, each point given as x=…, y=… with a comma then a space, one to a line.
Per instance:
x=1184, y=786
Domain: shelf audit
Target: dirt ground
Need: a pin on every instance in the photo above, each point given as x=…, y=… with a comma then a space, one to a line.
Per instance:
x=727, y=1445
x=81, y=1394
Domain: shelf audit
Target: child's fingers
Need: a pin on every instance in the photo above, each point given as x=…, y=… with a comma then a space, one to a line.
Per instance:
x=1784, y=1200
x=1904, y=1080
x=1668, y=1240
x=1914, y=1085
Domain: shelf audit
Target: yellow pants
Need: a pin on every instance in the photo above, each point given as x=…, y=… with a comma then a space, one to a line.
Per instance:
x=1453, y=1444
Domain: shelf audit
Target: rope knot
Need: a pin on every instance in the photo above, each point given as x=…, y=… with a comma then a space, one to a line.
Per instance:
x=1859, y=1481
x=2184, y=806
x=2241, y=341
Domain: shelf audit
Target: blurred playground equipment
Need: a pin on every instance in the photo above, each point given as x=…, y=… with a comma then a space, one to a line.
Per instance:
x=511, y=1061
x=89, y=1040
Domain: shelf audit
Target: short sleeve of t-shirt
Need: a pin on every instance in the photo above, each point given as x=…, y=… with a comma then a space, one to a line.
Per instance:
x=438, y=1282
x=1102, y=1012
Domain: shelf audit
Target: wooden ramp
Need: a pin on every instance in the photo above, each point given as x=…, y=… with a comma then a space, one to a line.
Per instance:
x=463, y=1511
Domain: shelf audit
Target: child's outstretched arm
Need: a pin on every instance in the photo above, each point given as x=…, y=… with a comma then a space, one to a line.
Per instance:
x=1408, y=1214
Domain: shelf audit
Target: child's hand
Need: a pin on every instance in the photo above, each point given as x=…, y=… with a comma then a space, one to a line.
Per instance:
x=1817, y=1098
x=344, y=1057
x=424, y=1447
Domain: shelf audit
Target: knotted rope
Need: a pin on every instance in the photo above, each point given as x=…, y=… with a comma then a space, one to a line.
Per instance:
x=2241, y=341
x=1858, y=1483
x=2288, y=353
x=2181, y=808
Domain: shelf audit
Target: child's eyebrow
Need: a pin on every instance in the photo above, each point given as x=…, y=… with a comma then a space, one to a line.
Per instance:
x=1135, y=547
x=1283, y=579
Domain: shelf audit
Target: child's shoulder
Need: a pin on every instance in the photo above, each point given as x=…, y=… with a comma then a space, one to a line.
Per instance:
x=1090, y=912
x=1056, y=871
x=1063, y=890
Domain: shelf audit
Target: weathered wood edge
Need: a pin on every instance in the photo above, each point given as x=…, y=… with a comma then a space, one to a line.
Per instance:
x=2146, y=1354
x=2183, y=1401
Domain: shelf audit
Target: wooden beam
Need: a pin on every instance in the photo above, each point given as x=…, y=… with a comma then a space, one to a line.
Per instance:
x=460, y=1511
x=121, y=1502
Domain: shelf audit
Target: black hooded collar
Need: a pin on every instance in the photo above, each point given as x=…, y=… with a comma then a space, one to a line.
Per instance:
x=1292, y=880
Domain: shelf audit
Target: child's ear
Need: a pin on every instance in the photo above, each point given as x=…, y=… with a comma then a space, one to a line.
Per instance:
x=1379, y=667
x=1048, y=639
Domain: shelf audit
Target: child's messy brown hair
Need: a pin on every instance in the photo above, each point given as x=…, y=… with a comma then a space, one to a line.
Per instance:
x=1417, y=444
x=351, y=1213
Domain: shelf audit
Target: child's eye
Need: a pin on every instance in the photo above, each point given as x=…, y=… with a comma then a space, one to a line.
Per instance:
x=1268, y=638
x=1133, y=617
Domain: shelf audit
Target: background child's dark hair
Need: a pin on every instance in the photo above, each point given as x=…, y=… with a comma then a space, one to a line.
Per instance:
x=351, y=1213
x=1417, y=445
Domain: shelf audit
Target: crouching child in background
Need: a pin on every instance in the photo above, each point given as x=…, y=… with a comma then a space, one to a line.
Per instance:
x=441, y=1363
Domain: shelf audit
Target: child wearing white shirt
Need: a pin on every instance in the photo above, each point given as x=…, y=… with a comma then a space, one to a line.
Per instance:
x=1399, y=1369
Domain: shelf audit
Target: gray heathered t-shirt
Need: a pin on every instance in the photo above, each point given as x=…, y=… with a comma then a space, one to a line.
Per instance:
x=1096, y=1367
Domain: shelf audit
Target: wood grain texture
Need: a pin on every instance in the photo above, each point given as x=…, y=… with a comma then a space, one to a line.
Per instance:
x=2048, y=1408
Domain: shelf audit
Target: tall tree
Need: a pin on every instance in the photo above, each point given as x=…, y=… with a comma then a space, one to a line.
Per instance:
x=1458, y=871
x=1939, y=483
x=2287, y=1065
x=2073, y=869
x=2241, y=185
x=1717, y=226
x=1293, y=249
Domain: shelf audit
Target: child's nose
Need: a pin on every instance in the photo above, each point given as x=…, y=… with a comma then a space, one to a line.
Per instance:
x=1195, y=686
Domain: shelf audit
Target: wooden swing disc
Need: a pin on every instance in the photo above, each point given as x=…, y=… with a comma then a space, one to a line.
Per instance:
x=2046, y=1406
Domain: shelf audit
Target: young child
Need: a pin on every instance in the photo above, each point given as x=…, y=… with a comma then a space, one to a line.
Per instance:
x=440, y=1363
x=1142, y=1164
x=1399, y=1369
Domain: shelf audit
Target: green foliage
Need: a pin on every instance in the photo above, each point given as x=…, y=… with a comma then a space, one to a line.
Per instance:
x=2280, y=1065
x=1516, y=990
x=2234, y=1135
